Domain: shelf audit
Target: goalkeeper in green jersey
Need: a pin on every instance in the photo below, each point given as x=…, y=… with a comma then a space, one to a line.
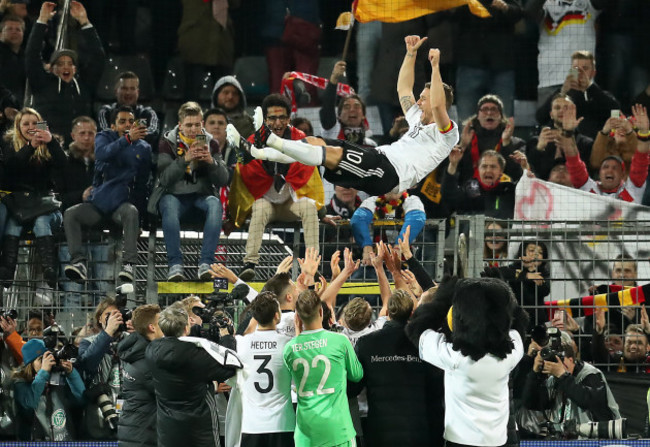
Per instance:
x=321, y=363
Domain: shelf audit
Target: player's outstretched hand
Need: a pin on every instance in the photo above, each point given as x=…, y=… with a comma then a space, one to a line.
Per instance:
x=413, y=43
x=434, y=57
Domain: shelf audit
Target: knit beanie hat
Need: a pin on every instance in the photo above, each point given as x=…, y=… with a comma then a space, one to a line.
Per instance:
x=494, y=99
x=63, y=52
x=32, y=350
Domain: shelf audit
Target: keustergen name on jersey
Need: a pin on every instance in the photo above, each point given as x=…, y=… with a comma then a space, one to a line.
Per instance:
x=312, y=344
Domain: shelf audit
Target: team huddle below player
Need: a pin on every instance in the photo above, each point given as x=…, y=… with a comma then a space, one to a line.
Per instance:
x=377, y=171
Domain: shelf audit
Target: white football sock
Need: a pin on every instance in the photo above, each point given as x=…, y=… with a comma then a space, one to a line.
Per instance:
x=305, y=153
x=271, y=154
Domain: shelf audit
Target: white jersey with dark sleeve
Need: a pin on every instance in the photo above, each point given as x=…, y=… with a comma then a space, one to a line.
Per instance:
x=420, y=150
x=265, y=383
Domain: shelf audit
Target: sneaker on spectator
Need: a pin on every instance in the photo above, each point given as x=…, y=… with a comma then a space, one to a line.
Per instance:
x=76, y=272
x=175, y=273
x=248, y=272
x=126, y=274
x=204, y=272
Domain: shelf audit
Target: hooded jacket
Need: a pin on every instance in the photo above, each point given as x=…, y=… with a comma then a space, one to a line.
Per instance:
x=137, y=424
x=60, y=102
x=238, y=117
x=172, y=168
x=182, y=376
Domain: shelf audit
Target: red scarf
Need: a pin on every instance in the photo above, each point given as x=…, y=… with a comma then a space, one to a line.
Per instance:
x=286, y=87
x=476, y=155
x=485, y=187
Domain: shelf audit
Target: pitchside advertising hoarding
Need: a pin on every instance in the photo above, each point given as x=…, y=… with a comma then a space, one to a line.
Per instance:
x=587, y=443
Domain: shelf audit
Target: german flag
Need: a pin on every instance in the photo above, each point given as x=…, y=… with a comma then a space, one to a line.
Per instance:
x=584, y=306
x=395, y=11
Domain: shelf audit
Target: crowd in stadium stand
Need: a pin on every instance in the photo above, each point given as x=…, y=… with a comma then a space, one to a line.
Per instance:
x=302, y=366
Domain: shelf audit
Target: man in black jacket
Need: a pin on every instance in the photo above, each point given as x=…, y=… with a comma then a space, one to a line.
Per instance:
x=74, y=185
x=58, y=95
x=137, y=424
x=543, y=151
x=565, y=387
x=183, y=372
x=491, y=192
x=127, y=93
x=350, y=122
x=405, y=395
x=12, y=56
x=592, y=102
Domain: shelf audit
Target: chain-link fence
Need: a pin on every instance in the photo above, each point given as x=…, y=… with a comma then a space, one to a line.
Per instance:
x=575, y=261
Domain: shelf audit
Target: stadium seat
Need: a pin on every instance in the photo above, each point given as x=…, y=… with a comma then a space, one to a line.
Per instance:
x=174, y=84
x=116, y=65
x=253, y=75
x=205, y=90
x=325, y=67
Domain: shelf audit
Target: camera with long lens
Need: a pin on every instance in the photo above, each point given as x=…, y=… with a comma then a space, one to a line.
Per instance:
x=60, y=346
x=550, y=339
x=120, y=303
x=8, y=313
x=216, y=315
x=614, y=429
x=100, y=394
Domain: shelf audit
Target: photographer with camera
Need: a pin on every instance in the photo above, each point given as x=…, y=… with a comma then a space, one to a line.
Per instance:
x=562, y=388
x=183, y=371
x=101, y=368
x=137, y=423
x=44, y=396
x=11, y=357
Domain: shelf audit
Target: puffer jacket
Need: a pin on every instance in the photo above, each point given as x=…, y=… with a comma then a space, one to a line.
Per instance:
x=137, y=425
x=122, y=172
x=182, y=376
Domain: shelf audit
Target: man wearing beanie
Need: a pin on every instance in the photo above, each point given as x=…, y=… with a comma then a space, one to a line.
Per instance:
x=59, y=95
x=487, y=130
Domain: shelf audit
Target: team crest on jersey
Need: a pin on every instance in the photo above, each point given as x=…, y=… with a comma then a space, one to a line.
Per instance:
x=565, y=12
x=58, y=419
x=416, y=130
x=115, y=378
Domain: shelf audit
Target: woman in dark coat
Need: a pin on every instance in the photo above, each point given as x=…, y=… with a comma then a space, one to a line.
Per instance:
x=31, y=157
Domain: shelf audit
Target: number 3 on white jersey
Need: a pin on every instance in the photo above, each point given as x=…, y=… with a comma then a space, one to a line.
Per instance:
x=323, y=379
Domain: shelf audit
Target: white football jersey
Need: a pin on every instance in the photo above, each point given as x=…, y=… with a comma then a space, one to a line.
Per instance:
x=264, y=383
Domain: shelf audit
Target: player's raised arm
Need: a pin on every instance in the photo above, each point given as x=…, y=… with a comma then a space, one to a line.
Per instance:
x=437, y=93
x=406, y=76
